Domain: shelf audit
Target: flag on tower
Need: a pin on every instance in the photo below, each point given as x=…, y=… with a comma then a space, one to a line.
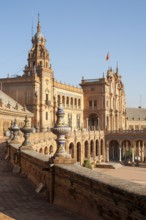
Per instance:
x=107, y=56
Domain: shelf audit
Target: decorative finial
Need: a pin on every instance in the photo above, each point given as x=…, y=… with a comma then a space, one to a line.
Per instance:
x=39, y=26
x=117, y=69
x=103, y=75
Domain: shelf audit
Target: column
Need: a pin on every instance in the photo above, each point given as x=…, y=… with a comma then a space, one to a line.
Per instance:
x=138, y=148
x=107, y=153
x=145, y=152
x=120, y=153
x=89, y=150
x=82, y=153
x=94, y=157
x=99, y=151
x=142, y=150
x=127, y=148
x=103, y=151
x=123, y=146
x=133, y=152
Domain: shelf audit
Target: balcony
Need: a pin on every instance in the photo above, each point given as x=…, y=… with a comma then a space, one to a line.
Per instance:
x=48, y=103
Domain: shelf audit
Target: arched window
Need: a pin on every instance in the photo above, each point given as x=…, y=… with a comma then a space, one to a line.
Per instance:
x=46, y=150
x=58, y=99
x=51, y=150
x=71, y=102
x=79, y=103
x=40, y=150
x=63, y=100
x=67, y=101
x=75, y=102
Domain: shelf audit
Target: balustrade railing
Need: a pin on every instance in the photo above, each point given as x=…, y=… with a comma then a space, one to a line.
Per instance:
x=124, y=131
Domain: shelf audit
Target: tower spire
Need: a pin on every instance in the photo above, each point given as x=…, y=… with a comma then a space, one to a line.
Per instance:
x=39, y=26
x=117, y=68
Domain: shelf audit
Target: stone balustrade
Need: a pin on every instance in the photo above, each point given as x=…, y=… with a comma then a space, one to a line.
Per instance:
x=87, y=192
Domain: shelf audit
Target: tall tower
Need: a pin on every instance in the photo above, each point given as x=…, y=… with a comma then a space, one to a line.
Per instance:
x=40, y=72
x=104, y=102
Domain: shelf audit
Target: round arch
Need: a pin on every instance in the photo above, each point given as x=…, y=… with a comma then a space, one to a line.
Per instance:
x=40, y=150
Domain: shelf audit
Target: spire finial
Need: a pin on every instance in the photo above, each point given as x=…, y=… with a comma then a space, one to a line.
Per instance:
x=39, y=26
x=117, y=69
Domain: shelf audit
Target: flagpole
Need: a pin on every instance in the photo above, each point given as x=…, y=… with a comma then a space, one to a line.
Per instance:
x=108, y=59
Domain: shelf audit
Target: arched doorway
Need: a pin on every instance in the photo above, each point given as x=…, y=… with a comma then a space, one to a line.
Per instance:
x=93, y=122
x=78, y=152
x=114, y=150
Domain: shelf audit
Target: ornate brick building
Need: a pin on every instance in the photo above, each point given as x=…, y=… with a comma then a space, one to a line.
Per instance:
x=40, y=92
x=99, y=104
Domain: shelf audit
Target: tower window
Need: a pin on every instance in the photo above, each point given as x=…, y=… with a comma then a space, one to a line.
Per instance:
x=46, y=115
x=90, y=103
x=47, y=99
x=95, y=103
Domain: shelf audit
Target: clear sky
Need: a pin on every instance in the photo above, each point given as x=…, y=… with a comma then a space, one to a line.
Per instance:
x=79, y=34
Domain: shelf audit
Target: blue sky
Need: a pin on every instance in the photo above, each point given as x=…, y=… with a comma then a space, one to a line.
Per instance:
x=79, y=34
